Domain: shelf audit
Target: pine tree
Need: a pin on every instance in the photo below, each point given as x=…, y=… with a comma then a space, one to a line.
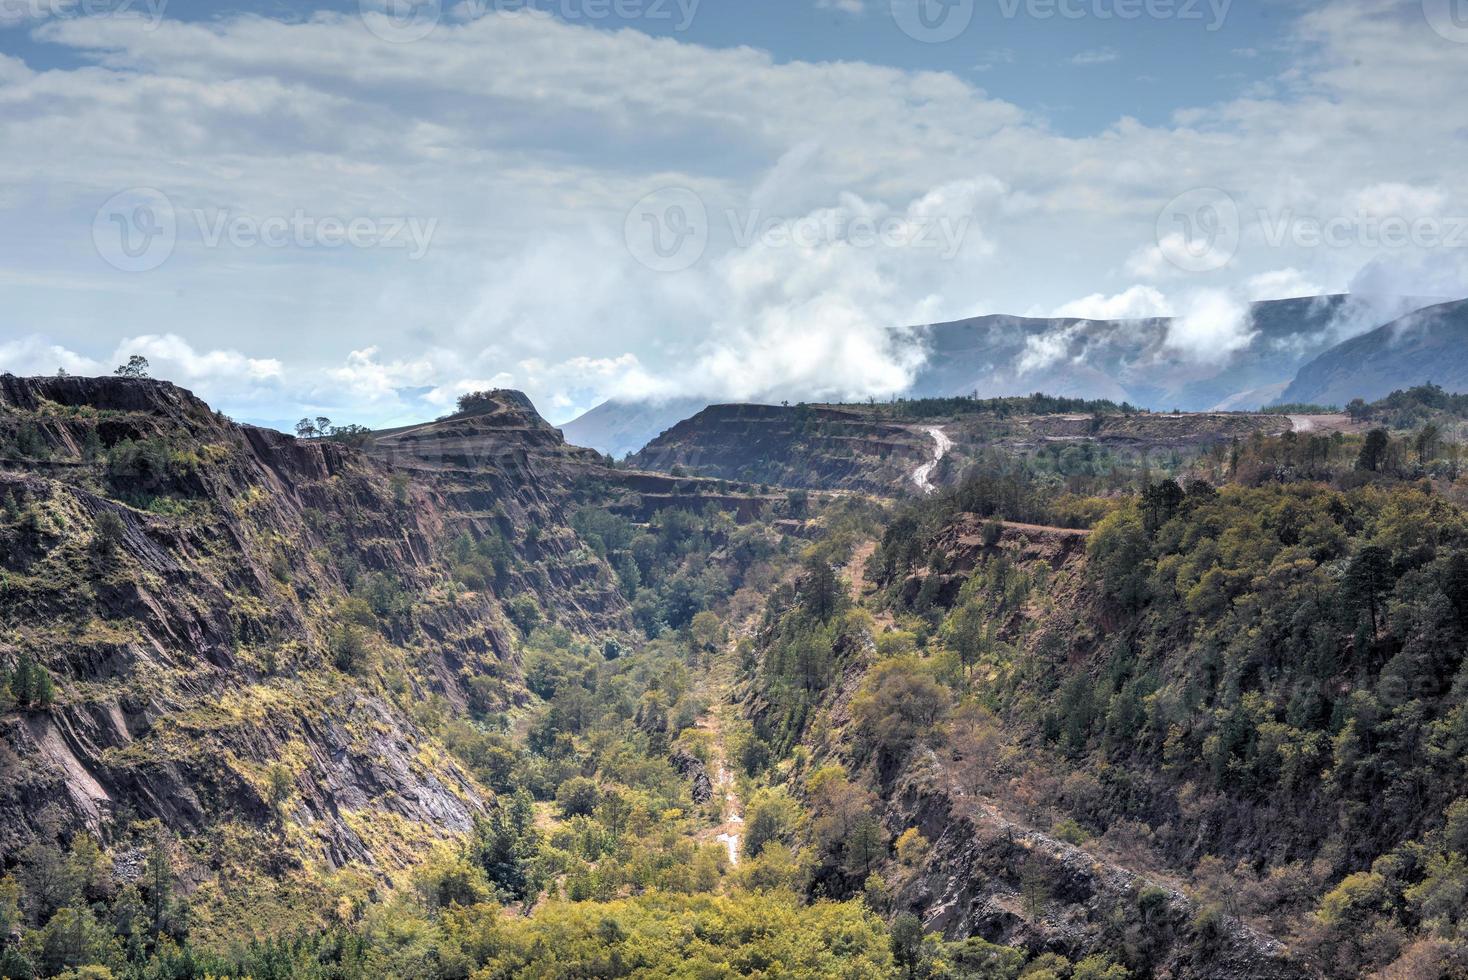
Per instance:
x=22, y=680
x=160, y=880
x=43, y=688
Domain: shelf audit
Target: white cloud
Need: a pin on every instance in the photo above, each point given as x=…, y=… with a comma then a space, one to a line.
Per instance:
x=1281, y=284
x=1150, y=261
x=178, y=357
x=995, y=57
x=532, y=174
x=1214, y=325
x=1397, y=200
x=33, y=355
x=1135, y=303
x=845, y=6
x=1095, y=56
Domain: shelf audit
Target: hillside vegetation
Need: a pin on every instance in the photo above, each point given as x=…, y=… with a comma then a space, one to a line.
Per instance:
x=1134, y=696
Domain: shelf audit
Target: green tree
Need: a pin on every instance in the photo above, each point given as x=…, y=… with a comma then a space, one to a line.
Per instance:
x=1427, y=443
x=907, y=945
x=707, y=631
x=820, y=590
x=900, y=703
x=74, y=938
x=107, y=532
x=773, y=816
x=578, y=797
x=280, y=784
x=158, y=873
x=1368, y=579
x=136, y=367
x=49, y=882
x=967, y=634
x=1373, y=450
x=865, y=848
x=1160, y=502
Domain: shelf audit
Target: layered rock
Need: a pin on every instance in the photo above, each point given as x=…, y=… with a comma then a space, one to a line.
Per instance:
x=240, y=641
x=804, y=446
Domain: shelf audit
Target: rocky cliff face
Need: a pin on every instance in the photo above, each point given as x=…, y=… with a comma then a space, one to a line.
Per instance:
x=880, y=450
x=978, y=882
x=505, y=470
x=239, y=624
x=804, y=446
x=997, y=866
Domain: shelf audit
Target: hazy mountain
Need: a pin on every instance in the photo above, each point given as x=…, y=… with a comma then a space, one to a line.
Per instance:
x=1138, y=360
x=620, y=428
x=1428, y=345
x=1121, y=360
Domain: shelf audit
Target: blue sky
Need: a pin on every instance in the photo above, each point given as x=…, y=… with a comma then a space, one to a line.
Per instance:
x=304, y=208
x=1079, y=72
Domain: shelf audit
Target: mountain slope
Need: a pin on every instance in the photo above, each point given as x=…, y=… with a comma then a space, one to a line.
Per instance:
x=893, y=449
x=219, y=608
x=1131, y=360
x=1427, y=345
x=804, y=446
x=620, y=428
x=1117, y=360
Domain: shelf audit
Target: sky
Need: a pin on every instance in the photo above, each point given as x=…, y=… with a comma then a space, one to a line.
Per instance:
x=364, y=208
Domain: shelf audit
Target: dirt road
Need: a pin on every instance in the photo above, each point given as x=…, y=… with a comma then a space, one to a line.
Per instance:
x=922, y=476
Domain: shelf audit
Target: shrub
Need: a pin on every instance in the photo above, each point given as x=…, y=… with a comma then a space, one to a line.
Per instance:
x=348, y=647
x=107, y=532
x=912, y=848
x=280, y=783
x=578, y=797
x=1071, y=832
x=524, y=612
x=144, y=463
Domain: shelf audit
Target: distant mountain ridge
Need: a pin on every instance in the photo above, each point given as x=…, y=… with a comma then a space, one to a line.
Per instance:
x=620, y=428
x=1426, y=345
x=1134, y=360
x=1120, y=360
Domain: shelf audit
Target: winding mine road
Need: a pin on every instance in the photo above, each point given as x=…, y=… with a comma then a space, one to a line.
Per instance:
x=922, y=476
